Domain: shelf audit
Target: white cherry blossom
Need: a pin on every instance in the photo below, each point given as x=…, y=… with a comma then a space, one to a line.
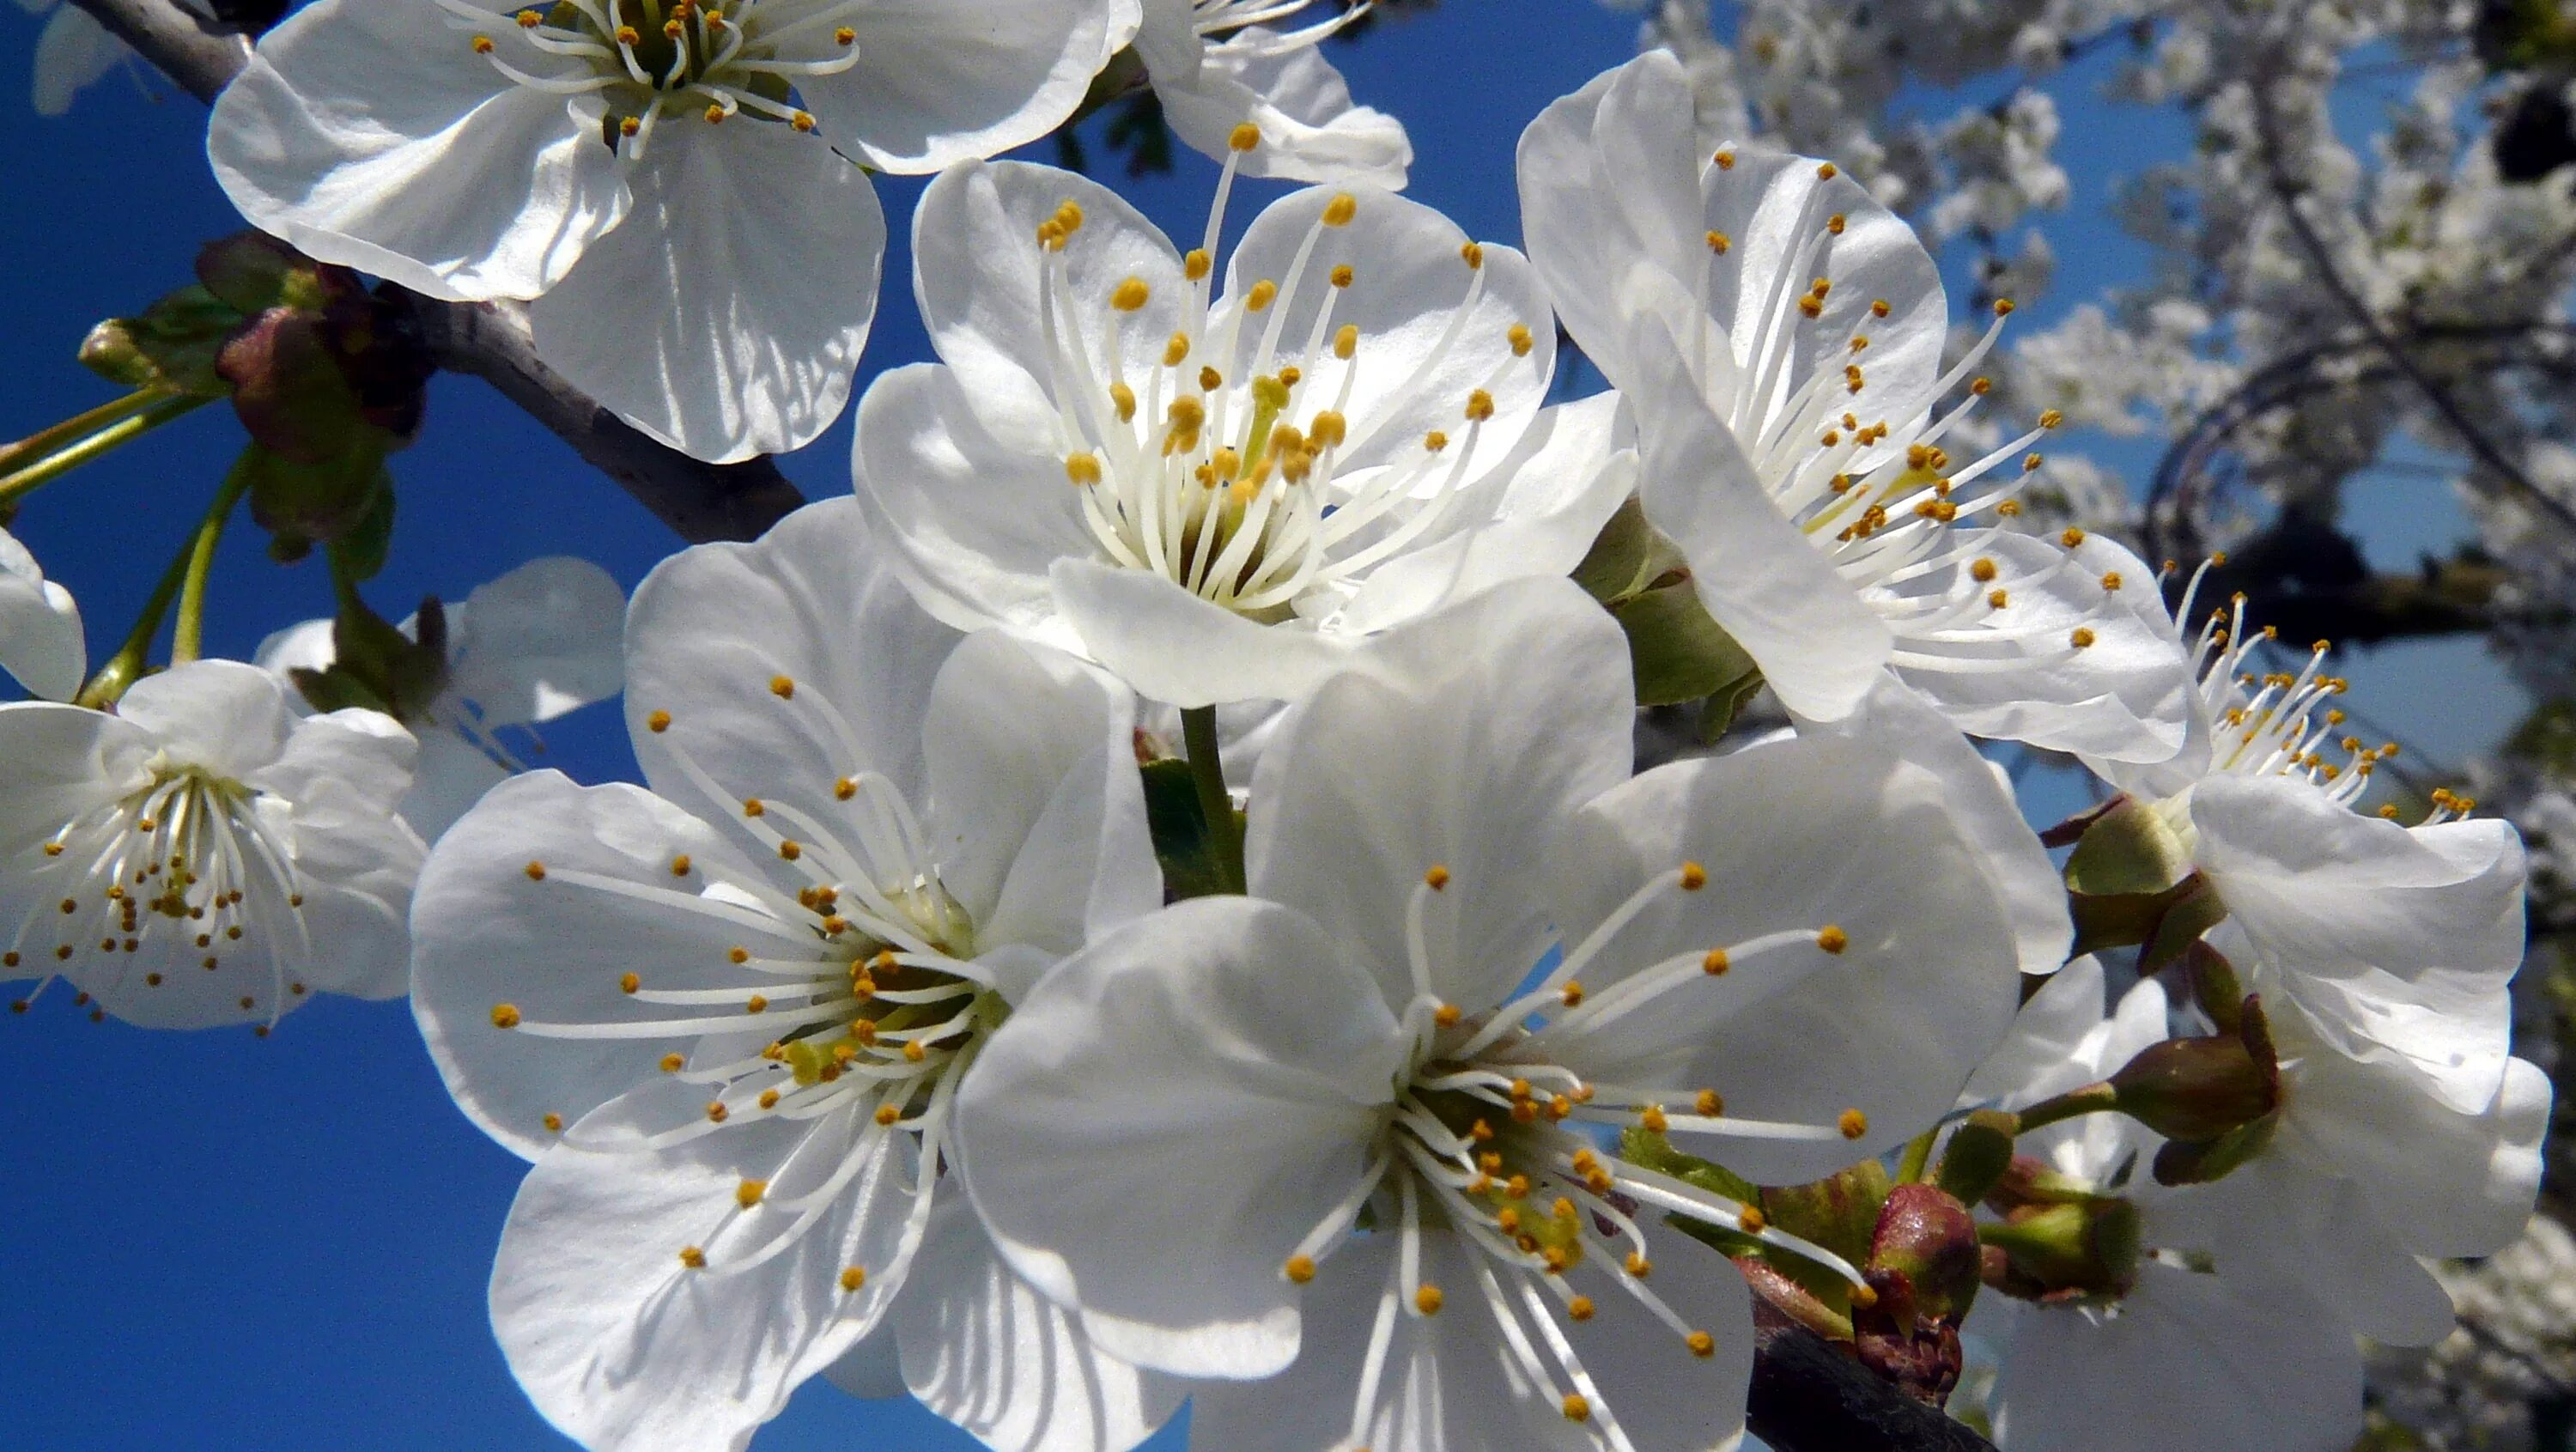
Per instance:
x=202, y=857
x=677, y=186
x=73, y=51
x=1213, y=494
x=2182, y=1357
x=2392, y=937
x=42, y=645
x=1218, y=64
x=539, y=642
x=728, y=1017
x=1778, y=335
x=1345, y=1107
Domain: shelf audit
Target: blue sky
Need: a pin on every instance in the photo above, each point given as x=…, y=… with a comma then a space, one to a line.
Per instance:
x=222, y=1242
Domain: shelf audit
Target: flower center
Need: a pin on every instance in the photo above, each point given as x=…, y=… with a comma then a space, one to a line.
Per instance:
x=2278, y=723
x=183, y=868
x=651, y=58
x=1240, y=466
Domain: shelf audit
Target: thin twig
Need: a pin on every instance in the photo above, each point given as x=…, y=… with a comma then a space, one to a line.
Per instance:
x=492, y=342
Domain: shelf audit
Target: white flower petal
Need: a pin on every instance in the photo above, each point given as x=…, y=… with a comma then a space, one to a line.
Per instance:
x=1794, y=838
x=1036, y=811
x=2442, y=1182
x=976, y=269
x=626, y=1348
x=1408, y=287
x=1224, y=1052
x=538, y=642
x=57, y=763
x=714, y=629
x=2041, y=1049
x=983, y=1349
x=1461, y=740
x=1820, y=648
x=486, y=934
x=2127, y=696
x=974, y=526
x=369, y=133
x=725, y=316
x=2284, y=1230
x=1310, y=129
x=74, y=51
x=220, y=714
x=41, y=642
x=2172, y=1369
x=1176, y=648
x=1897, y=720
x=939, y=83
x=2326, y=894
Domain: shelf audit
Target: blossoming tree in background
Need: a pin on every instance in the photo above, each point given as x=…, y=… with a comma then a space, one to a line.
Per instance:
x=1391, y=839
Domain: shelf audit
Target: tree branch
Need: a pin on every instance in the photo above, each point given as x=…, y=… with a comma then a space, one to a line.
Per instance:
x=1809, y=1396
x=491, y=341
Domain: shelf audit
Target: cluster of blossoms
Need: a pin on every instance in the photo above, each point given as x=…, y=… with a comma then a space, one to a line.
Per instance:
x=1442, y=1081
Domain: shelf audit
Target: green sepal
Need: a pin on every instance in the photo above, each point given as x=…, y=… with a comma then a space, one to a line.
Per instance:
x=2128, y=849
x=1615, y=567
x=2178, y=1163
x=1180, y=829
x=1839, y=1212
x=2166, y=922
x=170, y=345
x=1677, y=652
x=308, y=503
x=1979, y=1152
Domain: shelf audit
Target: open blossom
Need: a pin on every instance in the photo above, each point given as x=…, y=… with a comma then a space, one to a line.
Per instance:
x=41, y=643
x=535, y=644
x=1216, y=494
x=1778, y=335
x=2174, y=1355
x=73, y=51
x=728, y=1017
x=1354, y=1139
x=1218, y=64
x=202, y=857
x=2392, y=938
x=677, y=187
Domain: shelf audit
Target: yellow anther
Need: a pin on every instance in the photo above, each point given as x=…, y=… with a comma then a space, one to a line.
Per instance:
x=1346, y=341
x=1879, y=308
x=1437, y=878
x=536, y=873
x=716, y=1111
x=1480, y=1131
x=1719, y=242
x=769, y=1099
x=629, y=35
x=482, y=45
x=1572, y=994
x=1694, y=877
x=2003, y=307
x=2389, y=811
x=1328, y=430
x=753, y=807
x=1639, y=1266
x=1341, y=209
x=1852, y=1123
x=1579, y=1309
x=1521, y=341
x=1725, y=160
x=671, y=1063
x=1083, y=469
x=1263, y=294
x=1197, y=264
x=748, y=1193
x=845, y=36
x=1343, y=276
x=629, y=983
x=1651, y=1119
x=505, y=1016
x=1245, y=137
x=853, y=1277
x=1427, y=1299
x=1480, y=406
x=1299, y=1269
x=1124, y=398
x=791, y=849
x=1998, y=598
x=1447, y=1015
x=1716, y=963
x=914, y=1053
x=2080, y=637
x=1435, y=441
x=887, y=1114
x=693, y=1258
x=755, y=1004
x=1508, y=1220
x=715, y=115
x=1812, y=305
x=1473, y=254
x=553, y=1123
x=738, y=955
x=1832, y=939
x=1517, y=1187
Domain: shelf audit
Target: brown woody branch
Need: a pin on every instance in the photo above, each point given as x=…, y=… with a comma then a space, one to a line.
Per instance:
x=698, y=501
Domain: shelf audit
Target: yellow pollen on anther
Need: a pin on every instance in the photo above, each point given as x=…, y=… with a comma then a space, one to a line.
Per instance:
x=738, y=955
x=914, y=1053
x=1299, y=1269
x=505, y=1016
x=1447, y=1015
x=1651, y=1119
x=1428, y=1300
x=482, y=45
x=693, y=1258
x=630, y=983
x=671, y=1063
x=554, y=1123
x=1341, y=209
x=748, y=1193
x=783, y=687
x=1716, y=963
x=1521, y=341
x=845, y=36
x=1701, y=1344
x=1346, y=342
x=2080, y=637
x=887, y=1114
x=1710, y=1104
x=791, y=850
x=716, y=1111
x=1083, y=469
x=536, y=873
x=1572, y=994
x=853, y=1277
x=1694, y=877
x=1263, y=294
x=1998, y=598
x=1245, y=137
x=1832, y=939
x=1725, y=160
x=1473, y=254
x=1435, y=441
x=1852, y=1123
x=1720, y=243
x=1480, y=406
x=755, y=1004
x=1130, y=295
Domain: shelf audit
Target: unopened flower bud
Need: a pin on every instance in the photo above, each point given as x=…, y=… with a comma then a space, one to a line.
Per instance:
x=2200, y=1088
x=1927, y=1236
x=2091, y=1246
